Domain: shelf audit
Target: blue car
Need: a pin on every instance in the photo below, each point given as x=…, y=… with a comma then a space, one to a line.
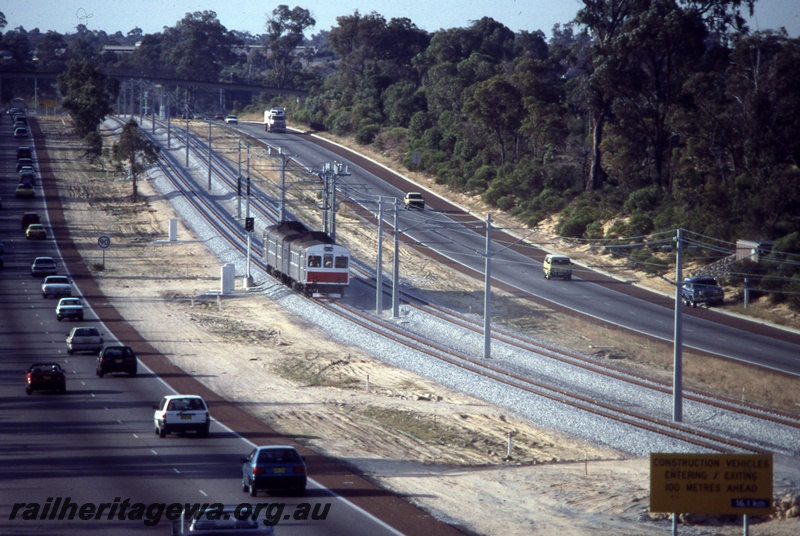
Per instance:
x=278, y=467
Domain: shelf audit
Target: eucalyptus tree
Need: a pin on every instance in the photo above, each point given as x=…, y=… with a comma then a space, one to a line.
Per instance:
x=50, y=52
x=285, y=29
x=87, y=95
x=744, y=147
x=605, y=21
x=136, y=151
x=602, y=20
x=198, y=47
x=374, y=54
x=659, y=49
x=496, y=105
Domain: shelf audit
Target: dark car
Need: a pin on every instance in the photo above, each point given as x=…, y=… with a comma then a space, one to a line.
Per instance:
x=702, y=290
x=117, y=359
x=24, y=152
x=45, y=377
x=29, y=218
x=275, y=467
x=27, y=176
x=24, y=162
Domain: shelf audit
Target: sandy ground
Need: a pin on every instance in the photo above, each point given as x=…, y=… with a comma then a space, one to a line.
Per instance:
x=446, y=450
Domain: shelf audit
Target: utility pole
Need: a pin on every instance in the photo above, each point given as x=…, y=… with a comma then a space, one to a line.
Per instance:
x=249, y=225
x=165, y=109
x=379, y=269
x=186, y=114
x=487, y=293
x=331, y=173
x=282, y=187
x=239, y=184
x=677, y=369
x=209, y=155
x=396, y=268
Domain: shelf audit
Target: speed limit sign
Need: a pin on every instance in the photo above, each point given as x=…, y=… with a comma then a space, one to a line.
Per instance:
x=104, y=241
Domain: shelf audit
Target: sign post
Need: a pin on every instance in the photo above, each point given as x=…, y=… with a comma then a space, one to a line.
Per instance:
x=104, y=242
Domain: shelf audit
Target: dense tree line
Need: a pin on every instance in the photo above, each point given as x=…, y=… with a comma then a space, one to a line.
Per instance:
x=652, y=114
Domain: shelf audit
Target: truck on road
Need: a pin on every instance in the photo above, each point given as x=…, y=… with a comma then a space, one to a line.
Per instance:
x=275, y=120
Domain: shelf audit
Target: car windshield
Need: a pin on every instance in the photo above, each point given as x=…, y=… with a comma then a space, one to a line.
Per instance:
x=56, y=280
x=85, y=332
x=278, y=456
x=186, y=404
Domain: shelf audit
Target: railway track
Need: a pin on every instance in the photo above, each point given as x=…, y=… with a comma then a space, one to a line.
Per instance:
x=215, y=214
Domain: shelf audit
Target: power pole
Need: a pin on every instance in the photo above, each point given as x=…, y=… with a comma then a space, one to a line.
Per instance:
x=677, y=369
x=379, y=268
x=396, y=268
x=331, y=173
x=209, y=155
x=487, y=293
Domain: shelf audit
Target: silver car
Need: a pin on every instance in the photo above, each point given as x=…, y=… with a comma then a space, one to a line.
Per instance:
x=84, y=339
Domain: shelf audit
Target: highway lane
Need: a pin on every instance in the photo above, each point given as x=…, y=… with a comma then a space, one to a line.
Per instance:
x=443, y=230
x=96, y=444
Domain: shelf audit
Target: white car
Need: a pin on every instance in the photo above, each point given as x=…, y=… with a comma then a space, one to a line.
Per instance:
x=84, y=339
x=232, y=119
x=69, y=308
x=43, y=266
x=56, y=285
x=228, y=520
x=181, y=413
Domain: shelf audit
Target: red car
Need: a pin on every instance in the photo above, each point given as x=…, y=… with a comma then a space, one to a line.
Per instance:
x=45, y=377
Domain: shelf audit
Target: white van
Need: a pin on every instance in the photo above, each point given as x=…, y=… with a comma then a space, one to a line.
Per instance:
x=557, y=266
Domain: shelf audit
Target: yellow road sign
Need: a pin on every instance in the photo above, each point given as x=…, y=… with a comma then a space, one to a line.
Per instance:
x=711, y=483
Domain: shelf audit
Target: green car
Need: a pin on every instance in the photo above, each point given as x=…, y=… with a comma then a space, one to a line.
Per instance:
x=24, y=191
x=36, y=231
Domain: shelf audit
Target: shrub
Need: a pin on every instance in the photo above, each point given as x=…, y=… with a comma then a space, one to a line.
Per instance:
x=643, y=200
x=367, y=134
x=639, y=225
x=574, y=226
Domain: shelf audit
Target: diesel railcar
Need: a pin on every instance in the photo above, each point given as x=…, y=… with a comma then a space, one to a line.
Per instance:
x=307, y=261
